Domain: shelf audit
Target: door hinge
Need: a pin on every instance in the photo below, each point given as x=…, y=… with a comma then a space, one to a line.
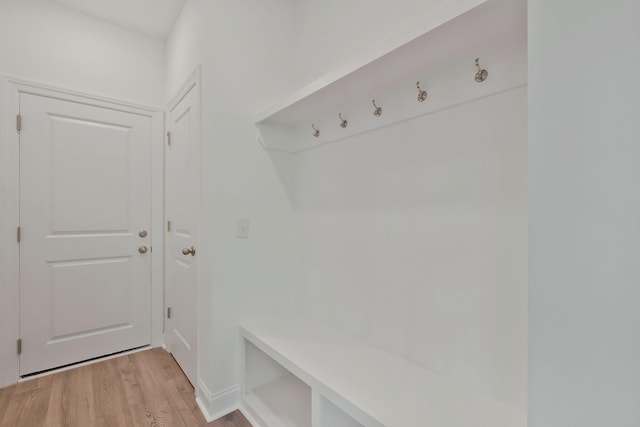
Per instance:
x=19, y=346
x=168, y=225
x=168, y=312
x=19, y=234
x=18, y=122
x=168, y=138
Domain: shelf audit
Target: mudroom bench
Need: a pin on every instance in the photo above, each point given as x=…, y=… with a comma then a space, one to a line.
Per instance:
x=296, y=372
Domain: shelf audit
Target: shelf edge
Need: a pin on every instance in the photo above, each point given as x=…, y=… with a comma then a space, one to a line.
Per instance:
x=399, y=39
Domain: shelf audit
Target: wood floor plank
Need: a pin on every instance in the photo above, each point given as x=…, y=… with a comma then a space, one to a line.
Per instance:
x=181, y=396
x=234, y=419
x=77, y=398
x=5, y=394
x=37, y=383
x=112, y=409
x=55, y=413
x=142, y=389
x=154, y=372
x=27, y=409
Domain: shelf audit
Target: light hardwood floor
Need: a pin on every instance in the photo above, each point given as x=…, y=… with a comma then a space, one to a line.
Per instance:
x=141, y=389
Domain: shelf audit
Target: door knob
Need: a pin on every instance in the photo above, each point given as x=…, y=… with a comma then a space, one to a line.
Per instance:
x=191, y=251
x=142, y=233
x=142, y=249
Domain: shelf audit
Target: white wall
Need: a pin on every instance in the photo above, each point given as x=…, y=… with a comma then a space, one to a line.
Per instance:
x=328, y=33
x=245, y=52
x=414, y=237
x=584, y=215
x=47, y=43
x=44, y=42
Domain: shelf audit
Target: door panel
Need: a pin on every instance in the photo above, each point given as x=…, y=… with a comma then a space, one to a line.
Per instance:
x=98, y=153
x=80, y=284
x=85, y=178
x=182, y=194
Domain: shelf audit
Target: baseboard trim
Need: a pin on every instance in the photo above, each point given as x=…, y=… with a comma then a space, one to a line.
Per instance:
x=249, y=416
x=214, y=406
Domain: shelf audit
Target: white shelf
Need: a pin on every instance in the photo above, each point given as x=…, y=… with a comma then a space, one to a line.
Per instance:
x=334, y=417
x=373, y=387
x=450, y=38
x=274, y=396
x=284, y=403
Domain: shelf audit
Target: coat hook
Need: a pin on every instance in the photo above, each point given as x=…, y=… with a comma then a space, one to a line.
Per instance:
x=481, y=74
x=422, y=94
x=378, y=110
x=316, y=132
x=344, y=123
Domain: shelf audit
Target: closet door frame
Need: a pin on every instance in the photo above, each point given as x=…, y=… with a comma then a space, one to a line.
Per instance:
x=10, y=90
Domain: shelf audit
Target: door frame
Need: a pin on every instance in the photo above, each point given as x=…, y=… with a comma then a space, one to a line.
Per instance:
x=10, y=90
x=193, y=82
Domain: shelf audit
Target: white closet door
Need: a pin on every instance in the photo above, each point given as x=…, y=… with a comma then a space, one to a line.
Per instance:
x=85, y=183
x=182, y=195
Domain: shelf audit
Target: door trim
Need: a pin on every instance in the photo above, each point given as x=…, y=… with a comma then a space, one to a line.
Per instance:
x=10, y=90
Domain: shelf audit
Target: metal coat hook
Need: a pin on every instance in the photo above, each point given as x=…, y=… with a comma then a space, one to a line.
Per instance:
x=378, y=110
x=422, y=94
x=316, y=132
x=481, y=74
x=343, y=123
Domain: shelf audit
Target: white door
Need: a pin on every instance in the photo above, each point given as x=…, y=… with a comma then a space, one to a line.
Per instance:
x=85, y=285
x=182, y=198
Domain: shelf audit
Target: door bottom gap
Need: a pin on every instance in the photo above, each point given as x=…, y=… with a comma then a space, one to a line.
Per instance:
x=80, y=363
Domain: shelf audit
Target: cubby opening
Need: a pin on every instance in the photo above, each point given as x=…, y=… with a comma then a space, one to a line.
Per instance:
x=332, y=416
x=280, y=398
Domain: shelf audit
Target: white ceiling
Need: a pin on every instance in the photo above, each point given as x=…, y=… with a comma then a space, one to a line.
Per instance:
x=152, y=17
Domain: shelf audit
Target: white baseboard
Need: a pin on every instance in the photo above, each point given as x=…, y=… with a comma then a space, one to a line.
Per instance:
x=214, y=406
x=249, y=417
